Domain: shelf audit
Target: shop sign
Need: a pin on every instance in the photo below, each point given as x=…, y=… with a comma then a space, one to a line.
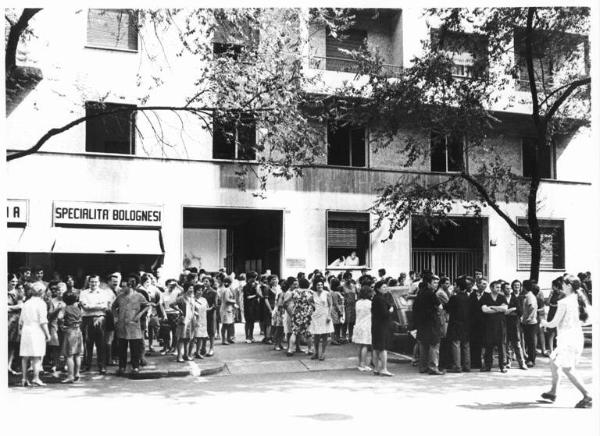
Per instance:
x=17, y=212
x=295, y=263
x=106, y=214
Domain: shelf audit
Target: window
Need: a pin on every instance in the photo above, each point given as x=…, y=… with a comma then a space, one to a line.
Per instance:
x=234, y=138
x=113, y=133
x=467, y=51
x=347, y=232
x=222, y=49
x=337, y=60
x=346, y=146
x=543, y=64
x=553, y=246
x=447, y=153
x=112, y=28
x=545, y=164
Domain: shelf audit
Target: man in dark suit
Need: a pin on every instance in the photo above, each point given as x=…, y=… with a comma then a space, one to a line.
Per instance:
x=428, y=326
x=477, y=324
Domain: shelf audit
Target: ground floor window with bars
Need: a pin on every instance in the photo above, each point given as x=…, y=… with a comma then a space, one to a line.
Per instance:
x=553, y=246
x=347, y=232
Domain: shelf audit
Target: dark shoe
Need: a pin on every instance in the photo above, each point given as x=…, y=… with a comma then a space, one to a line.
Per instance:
x=530, y=364
x=224, y=343
x=455, y=370
x=102, y=371
x=585, y=403
x=436, y=372
x=314, y=357
x=485, y=369
x=523, y=367
x=322, y=357
x=548, y=396
x=289, y=354
x=466, y=370
x=504, y=370
x=422, y=371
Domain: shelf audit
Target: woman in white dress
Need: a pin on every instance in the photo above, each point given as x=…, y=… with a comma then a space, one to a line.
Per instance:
x=34, y=334
x=321, y=325
x=569, y=315
x=362, y=328
x=199, y=325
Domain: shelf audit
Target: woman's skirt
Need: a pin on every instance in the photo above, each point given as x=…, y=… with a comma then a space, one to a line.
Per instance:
x=33, y=341
x=72, y=342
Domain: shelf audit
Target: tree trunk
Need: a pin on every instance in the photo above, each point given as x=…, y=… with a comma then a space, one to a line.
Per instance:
x=532, y=218
x=14, y=35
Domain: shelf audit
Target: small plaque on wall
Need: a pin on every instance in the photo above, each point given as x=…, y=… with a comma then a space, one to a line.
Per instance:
x=295, y=263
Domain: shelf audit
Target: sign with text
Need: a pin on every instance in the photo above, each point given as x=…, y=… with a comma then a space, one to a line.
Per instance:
x=295, y=263
x=17, y=212
x=106, y=214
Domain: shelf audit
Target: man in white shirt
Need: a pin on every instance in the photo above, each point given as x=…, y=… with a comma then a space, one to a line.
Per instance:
x=94, y=303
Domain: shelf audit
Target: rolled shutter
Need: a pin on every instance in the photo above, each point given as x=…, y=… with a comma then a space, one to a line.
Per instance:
x=112, y=28
x=552, y=250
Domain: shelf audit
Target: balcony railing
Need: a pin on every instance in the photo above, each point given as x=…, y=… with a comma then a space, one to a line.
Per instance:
x=347, y=65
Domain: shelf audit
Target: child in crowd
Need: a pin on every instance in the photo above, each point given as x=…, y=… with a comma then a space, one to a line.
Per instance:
x=72, y=347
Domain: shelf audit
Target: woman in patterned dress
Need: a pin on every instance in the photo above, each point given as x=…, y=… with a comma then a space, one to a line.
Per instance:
x=321, y=324
x=185, y=305
x=337, y=310
x=302, y=314
x=350, y=297
x=15, y=303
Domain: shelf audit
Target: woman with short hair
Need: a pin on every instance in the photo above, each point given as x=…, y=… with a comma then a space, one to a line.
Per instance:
x=34, y=333
x=321, y=324
x=362, y=329
x=571, y=311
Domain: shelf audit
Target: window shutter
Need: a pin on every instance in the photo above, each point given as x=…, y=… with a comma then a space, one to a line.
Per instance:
x=112, y=28
x=343, y=234
x=552, y=250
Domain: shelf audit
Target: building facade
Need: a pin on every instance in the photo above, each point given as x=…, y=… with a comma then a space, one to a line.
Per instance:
x=98, y=198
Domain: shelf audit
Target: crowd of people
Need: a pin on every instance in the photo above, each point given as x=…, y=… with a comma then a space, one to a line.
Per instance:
x=457, y=325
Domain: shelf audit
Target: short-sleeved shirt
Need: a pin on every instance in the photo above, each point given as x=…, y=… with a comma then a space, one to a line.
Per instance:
x=126, y=307
x=72, y=316
x=99, y=297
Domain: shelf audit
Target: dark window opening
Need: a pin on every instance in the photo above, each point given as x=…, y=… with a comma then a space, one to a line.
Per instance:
x=468, y=51
x=447, y=153
x=553, y=246
x=112, y=28
x=222, y=49
x=543, y=64
x=346, y=146
x=338, y=60
x=112, y=133
x=545, y=163
x=347, y=232
x=234, y=138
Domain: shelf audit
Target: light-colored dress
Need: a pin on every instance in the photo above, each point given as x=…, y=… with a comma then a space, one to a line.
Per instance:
x=33, y=316
x=199, y=324
x=569, y=335
x=319, y=324
x=227, y=309
x=362, y=327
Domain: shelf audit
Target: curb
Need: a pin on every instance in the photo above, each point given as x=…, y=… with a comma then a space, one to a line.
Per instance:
x=176, y=373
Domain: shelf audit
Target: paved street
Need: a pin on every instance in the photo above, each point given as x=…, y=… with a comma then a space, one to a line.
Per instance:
x=260, y=384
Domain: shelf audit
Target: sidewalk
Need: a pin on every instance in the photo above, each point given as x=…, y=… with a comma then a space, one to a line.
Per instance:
x=234, y=359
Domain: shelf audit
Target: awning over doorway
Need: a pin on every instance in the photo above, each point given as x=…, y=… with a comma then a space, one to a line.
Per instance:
x=109, y=241
x=29, y=240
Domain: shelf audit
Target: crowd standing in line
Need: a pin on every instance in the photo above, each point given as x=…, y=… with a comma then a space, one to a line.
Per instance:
x=458, y=326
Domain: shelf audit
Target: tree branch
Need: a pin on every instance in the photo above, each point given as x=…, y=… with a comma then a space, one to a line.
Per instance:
x=486, y=197
x=530, y=71
x=560, y=100
x=14, y=35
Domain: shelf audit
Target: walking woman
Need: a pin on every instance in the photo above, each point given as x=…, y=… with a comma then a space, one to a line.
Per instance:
x=34, y=334
x=362, y=330
x=380, y=329
x=15, y=303
x=321, y=323
x=570, y=313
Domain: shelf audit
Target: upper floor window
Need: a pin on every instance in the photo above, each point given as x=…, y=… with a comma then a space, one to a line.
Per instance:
x=544, y=161
x=543, y=62
x=447, y=153
x=234, y=138
x=113, y=29
x=111, y=133
x=553, y=246
x=467, y=51
x=336, y=58
x=346, y=146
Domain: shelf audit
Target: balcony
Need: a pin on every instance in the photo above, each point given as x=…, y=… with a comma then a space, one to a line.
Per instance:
x=347, y=65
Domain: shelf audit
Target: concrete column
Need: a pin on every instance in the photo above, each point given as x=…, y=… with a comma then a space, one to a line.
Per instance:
x=172, y=231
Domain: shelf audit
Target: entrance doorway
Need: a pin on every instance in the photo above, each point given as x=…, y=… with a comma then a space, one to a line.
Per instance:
x=239, y=240
x=458, y=247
